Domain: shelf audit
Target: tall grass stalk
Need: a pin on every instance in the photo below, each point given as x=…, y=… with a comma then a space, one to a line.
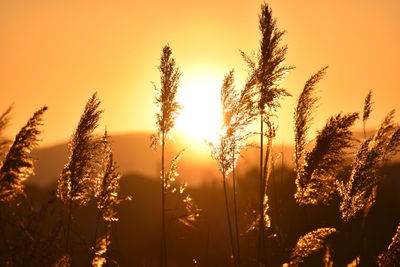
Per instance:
x=77, y=180
x=169, y=107
x=268, y=71
x=233, y=251
x=164, y=258
x=235, y=209
x=237, y=113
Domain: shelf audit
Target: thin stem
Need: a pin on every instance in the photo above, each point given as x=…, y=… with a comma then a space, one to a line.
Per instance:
x=228, y=217
x=260, y=250
x=96, y=229
x=163, y=229
x=267, y=174
x=69, y=220
x=235, y=207
x=3, y=225
x=365, y=135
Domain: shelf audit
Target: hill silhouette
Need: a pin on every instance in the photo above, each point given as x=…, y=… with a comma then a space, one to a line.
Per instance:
x=133, y=155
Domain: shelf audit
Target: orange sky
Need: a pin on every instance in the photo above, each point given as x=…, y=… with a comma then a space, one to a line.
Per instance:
x=57, y=53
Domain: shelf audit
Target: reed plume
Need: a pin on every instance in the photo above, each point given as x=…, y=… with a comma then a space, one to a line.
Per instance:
x=4, y=120
x=303, y=115
x=371, y=156
x=166, y=98
x=316, y=181
x=268, y=71
x=169, y=108
x=367, y=110
x=267, y=68
x=238, y=112
x=76, y=182
x=17, y=165
x=310, y=244
x=107, y=193
x=391, y=257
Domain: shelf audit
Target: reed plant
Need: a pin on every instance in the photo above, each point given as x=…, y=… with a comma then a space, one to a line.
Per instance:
x=169, y=108
x=268, y=70
x=238, y=111
x=77, y=180
x=18, y=165
x=107, y=187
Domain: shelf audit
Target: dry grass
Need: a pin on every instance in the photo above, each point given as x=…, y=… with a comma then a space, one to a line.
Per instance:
x=77, y=181
x=309, y=244
x=316, y=180
x=370, y=158
x=18, y=164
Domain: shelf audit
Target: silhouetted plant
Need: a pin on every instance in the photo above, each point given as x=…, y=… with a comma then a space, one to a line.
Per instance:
x=190, y=211
x=303, y=115
x=108, y=185
x=169, y=107
x=310, y=244
x=316, y=180
x=77, y=181
x=367, y=110
x=237, y=112
x=316, y=170
x=100, y=250
x=268, y=71
x=107, y=195
x=4, y=120
x=371, y=156
x=17, y=166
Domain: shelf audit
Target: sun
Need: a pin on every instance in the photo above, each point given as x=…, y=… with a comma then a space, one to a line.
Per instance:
x=200, y=117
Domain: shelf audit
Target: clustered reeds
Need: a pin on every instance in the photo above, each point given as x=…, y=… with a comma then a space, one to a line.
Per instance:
x=317, y=171
x=91, y=174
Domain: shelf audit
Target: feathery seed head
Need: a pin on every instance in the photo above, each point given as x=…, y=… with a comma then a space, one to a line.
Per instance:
x=309, y=244
x=316, y=179
x=238, y=111
x=303, y=115
x=365, y=175
x=367, y=106
x=17, y=166
x=78, y=177
x=166, y=98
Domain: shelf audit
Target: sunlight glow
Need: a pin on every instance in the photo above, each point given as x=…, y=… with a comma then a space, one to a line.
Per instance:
x=200, y=117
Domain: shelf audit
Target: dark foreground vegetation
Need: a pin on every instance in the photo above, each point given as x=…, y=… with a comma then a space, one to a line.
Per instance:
x=135, y=238
x=338, y=205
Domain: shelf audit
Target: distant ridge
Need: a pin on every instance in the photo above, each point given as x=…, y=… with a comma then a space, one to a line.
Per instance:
x=133, y=155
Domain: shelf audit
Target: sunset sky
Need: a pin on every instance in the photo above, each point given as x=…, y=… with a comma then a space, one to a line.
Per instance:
x=57, y=53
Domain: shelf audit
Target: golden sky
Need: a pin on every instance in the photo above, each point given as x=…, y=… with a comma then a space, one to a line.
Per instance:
x=57, y=53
